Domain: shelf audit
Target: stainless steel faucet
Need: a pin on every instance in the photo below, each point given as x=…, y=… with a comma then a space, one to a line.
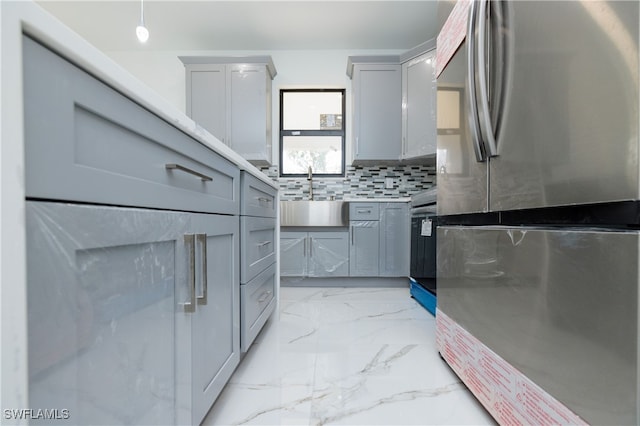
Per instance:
x=310, y=179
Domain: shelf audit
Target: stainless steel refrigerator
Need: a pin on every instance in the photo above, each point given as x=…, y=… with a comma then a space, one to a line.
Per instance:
x=538, y=176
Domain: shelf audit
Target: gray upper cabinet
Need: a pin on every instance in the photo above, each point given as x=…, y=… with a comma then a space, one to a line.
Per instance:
x=395, y=242
x=377, y=110
x=207, y=98
x=419, y=106
x=231, y=98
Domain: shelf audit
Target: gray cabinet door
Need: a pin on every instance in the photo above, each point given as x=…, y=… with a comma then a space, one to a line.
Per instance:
x=207, y=98
x=364, y=248
x=419, y=106
x=258, y=246
x=215, y=324
x=328, y=254
x=250, y=111
x=102, y=305
x=377, y=107
x=293, y=254
x=395, y=242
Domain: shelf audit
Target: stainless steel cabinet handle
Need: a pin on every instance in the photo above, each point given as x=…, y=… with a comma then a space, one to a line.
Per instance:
x=265, y=199
x=174, y=166
x=471, y=84
x=364, y=211
x=352, y=233
x=264, y=243
x=486, y=128
x=304, y=250
x=202, y=239
x=264, y=296
x=190, y=242
x=310, y=246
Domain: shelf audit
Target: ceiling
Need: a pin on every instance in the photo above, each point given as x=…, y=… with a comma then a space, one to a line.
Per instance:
x=251, y=25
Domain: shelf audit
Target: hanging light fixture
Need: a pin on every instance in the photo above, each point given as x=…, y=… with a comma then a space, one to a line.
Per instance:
x=141, y=31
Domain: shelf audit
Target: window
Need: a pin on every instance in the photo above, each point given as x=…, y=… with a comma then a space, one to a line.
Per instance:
x=312, y=132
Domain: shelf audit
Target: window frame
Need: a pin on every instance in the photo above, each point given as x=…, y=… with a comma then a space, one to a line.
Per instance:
x=298, y=132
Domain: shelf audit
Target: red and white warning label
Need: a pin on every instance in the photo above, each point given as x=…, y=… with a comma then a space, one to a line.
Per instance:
x=452, y=34
x=510, y=397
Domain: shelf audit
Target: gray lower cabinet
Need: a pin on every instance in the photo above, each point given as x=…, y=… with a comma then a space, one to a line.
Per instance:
x=314, y=254
x=110, y=298
x=379, y=239
x=293, y=254
x=95, y=145
x=258, y=266
x=258, y=303
x=364, y=251
x=133, y=312
x=215, y=325
x=395, y=239
x=258, y=245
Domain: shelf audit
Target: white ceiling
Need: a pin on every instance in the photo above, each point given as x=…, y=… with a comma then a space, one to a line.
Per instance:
x=251, y=25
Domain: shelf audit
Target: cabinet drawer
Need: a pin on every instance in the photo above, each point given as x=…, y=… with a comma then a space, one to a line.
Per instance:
x=364, y=211
x=87, y=142
x=257, y=198
x=257, y=246
x=257, y=300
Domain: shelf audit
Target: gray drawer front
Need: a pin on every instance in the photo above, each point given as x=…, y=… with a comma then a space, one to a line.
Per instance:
x=86, y=142
x=257, y=246
x=257, y=302
x=258, y=198
x=364, y=211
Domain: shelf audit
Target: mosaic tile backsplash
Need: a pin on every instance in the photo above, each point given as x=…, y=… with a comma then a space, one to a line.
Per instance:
x=360, y=181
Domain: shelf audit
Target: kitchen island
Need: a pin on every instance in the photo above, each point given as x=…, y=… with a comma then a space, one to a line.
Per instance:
x=120, y=257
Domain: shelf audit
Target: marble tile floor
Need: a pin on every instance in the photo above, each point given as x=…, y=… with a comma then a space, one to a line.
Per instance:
x=346, y=356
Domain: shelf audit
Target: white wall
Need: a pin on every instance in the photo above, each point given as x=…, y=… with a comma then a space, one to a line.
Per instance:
x=164, y=73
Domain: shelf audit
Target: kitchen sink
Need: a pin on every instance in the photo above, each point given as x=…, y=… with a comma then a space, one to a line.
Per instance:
x=314, y=213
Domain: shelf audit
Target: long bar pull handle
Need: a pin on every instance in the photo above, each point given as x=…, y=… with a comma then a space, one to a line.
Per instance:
x=202, y=239
x=474, y=126
x=304, y=250
x=265, y=199
x=500, y=53
x=353, y=231
x=310, y=246
x=174, y=166
x=190, y=242
x=264, y=243
x=484, y=118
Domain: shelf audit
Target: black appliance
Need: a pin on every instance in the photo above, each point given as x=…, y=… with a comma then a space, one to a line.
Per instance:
x=423, y=248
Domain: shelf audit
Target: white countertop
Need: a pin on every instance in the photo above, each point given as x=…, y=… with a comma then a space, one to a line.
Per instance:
x=28, y=17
